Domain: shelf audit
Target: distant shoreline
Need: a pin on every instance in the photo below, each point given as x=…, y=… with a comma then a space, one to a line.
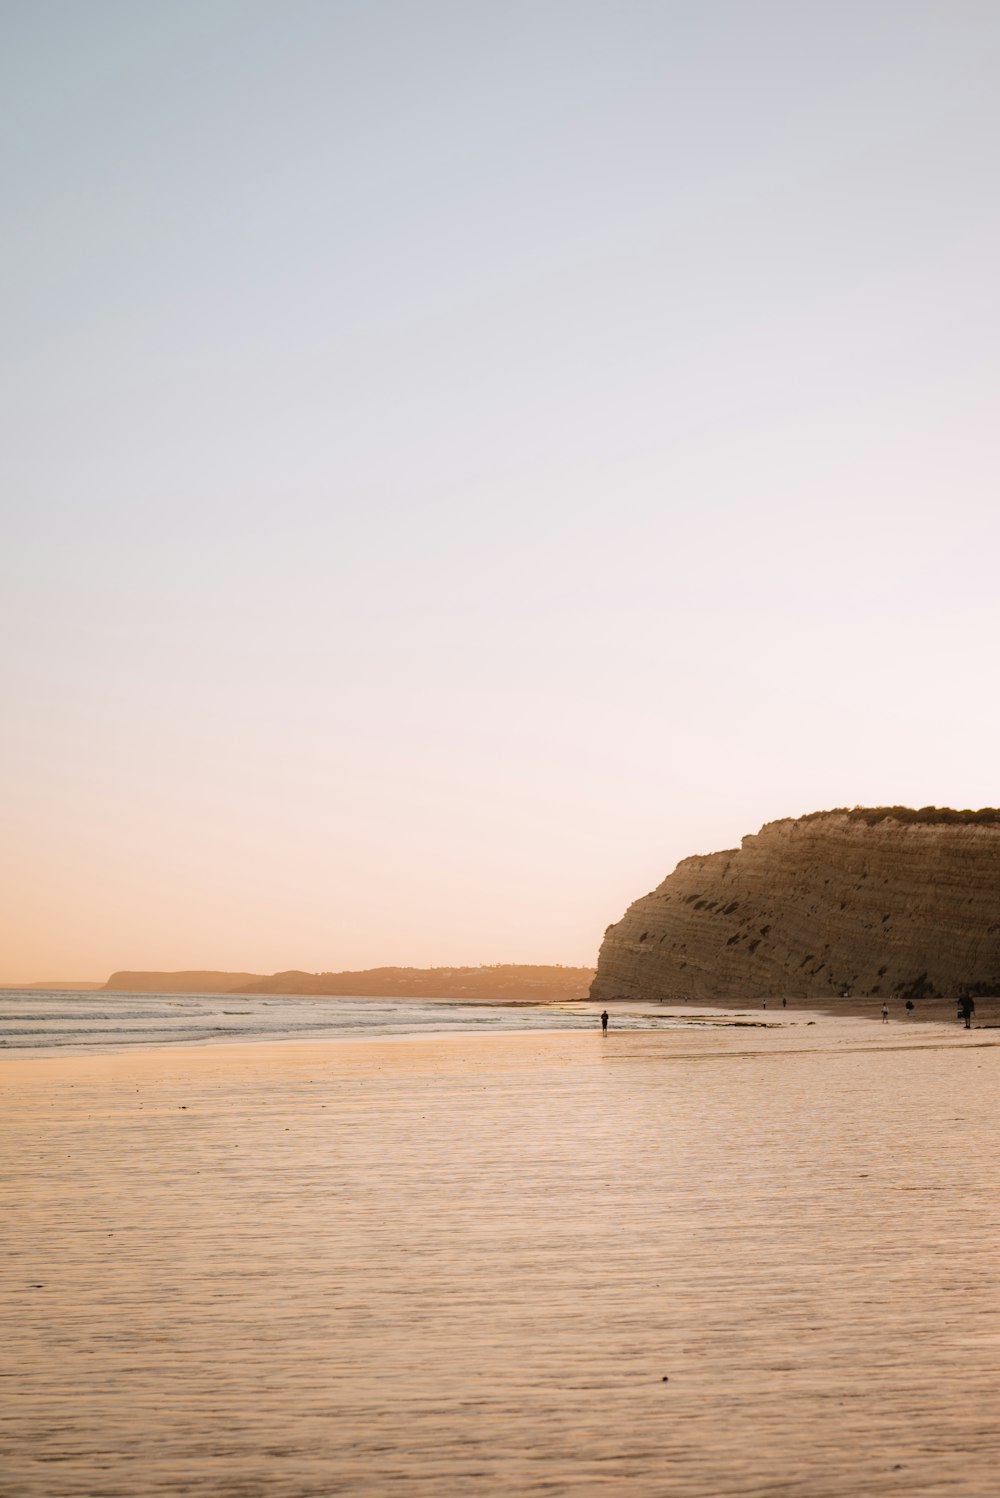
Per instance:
x=486, y=982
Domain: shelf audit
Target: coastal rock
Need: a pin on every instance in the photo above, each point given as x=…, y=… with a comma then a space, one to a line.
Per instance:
x=872, y=900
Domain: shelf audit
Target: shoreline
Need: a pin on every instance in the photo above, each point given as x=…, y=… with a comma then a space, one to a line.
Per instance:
x=691, y=1016
x=701, y=1020
x=935, y=1011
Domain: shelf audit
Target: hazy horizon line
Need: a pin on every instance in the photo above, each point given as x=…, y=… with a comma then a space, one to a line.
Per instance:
x=275, y=972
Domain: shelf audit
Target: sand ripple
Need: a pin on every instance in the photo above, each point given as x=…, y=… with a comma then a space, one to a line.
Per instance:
x=468, y=1264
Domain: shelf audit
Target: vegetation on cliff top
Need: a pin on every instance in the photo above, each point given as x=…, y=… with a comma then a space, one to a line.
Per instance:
x=926, y=816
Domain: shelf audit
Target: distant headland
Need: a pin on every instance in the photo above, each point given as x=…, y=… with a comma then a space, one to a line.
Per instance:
x=494, y=981
x=869, y=900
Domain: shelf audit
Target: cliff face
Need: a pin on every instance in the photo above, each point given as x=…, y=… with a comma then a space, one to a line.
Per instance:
x=810, y=907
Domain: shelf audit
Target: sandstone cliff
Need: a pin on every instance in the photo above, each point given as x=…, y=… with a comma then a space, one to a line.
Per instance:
x=877, y=901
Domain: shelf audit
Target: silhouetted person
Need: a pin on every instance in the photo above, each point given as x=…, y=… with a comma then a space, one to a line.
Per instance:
x=604, y=1022
x=967, y=1008
x=909, y=1009
x=784, y=1003
x=885, y=1014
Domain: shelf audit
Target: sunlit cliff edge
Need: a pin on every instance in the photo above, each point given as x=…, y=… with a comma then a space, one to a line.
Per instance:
x=880, y=900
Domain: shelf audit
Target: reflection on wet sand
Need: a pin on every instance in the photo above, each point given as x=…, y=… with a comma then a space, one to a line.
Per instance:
x=679, y=1262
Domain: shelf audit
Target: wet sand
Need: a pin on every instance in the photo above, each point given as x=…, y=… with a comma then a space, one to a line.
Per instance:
x=467, y=1265
x=862, y=1006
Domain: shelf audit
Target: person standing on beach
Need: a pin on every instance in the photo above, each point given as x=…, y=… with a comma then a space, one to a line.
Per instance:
x=967, y=1008
x=604, y=1022
x=909, y=1009
x=885, y=1014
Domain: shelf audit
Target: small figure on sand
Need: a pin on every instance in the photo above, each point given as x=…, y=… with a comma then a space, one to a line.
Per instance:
x=966, y=1009
x=604, y=1022
x=764, y=1005
x=909, y=1008
x=784, y=1003
x=885, y=1014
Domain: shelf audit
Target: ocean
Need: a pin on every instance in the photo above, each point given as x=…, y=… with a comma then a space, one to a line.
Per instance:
x=51, y=1020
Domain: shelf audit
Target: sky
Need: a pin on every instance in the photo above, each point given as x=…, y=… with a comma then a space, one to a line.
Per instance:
x=462, y=458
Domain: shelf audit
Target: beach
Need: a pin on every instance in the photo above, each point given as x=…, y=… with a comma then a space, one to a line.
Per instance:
x=704, y=1261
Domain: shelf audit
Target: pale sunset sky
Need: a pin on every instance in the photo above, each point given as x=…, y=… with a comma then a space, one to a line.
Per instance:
x=462, y=457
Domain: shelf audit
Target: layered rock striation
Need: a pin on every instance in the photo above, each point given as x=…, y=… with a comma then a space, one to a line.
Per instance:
x=872, y=900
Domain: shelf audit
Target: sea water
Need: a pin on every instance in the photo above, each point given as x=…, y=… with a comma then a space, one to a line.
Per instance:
x=49, y=1020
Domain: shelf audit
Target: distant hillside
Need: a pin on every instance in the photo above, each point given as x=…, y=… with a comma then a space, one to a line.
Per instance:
x=184, y=982
x=501, y=981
